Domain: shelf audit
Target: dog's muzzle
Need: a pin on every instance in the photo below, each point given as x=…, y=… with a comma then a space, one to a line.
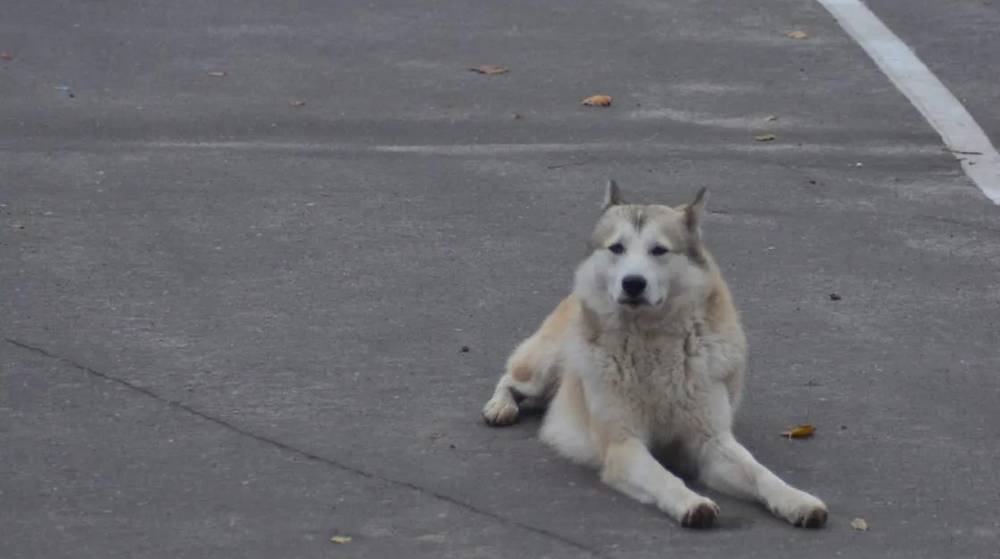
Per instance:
x=633, y=288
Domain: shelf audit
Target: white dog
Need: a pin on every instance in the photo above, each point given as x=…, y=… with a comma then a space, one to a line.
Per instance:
x=648, y=352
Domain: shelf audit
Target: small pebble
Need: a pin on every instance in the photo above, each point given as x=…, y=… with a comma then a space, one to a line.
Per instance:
x=465, y=349
x=835, y=297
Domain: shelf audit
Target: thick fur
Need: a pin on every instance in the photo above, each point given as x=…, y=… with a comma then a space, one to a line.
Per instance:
x=625, y=374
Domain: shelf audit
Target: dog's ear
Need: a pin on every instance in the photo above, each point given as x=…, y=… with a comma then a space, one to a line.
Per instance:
x=612, y=195
x=693, y=211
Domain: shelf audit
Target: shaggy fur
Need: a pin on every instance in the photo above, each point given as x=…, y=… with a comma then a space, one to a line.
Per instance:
x=648, y=352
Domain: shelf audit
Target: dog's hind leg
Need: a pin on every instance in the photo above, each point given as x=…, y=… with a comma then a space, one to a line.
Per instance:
x=533, y=370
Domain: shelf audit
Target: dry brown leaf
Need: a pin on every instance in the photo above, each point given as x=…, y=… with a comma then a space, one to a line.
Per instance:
x=597, y=101
x=859, y=524
x=340, y=539
x=800, y=432
x=6, y=55
x=297, y=103
x=217, y=74
x=797, y=34
x=765, y=138
x=490, y=69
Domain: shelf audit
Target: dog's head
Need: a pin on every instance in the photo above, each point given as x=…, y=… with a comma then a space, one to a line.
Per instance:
x=643, y=257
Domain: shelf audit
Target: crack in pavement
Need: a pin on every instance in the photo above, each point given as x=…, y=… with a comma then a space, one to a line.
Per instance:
x=305, y=453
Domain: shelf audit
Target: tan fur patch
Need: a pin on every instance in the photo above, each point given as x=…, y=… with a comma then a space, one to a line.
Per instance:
x=557, y=322
x=719, y=309
x=591, y=325
x=521, y=373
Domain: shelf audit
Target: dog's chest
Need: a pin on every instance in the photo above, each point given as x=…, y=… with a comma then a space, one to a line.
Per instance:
x=661, y=381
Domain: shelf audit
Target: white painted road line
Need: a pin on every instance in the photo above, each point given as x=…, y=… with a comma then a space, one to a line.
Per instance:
x=942, y=110
x=879, y=149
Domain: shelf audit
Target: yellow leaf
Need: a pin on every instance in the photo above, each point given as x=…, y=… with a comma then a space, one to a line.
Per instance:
x=797, y=34
x=489, y=69
x=765, y=138
x=340, y=539
x=597, y=101
x=859, y=524
x=800, y=432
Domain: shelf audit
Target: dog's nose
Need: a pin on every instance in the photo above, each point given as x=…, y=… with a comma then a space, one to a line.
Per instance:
x=633, y=285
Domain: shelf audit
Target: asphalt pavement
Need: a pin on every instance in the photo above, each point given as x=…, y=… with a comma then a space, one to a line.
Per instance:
x=261, y=264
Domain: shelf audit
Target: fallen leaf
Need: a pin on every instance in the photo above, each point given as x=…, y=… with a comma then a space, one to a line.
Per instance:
x=6, y=55
x=489, y=69
x=765, y=138
x=340, y=539
x=800, y=432
x=297, y=103
x=859, y=524
x=217, y=74
x=797, y=34
x=597, y=101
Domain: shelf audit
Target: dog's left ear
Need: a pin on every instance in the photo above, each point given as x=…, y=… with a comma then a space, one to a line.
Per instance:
x=693, y=211
x=612, y=195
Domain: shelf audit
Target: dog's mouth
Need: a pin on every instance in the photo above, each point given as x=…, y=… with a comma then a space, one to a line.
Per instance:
x=637, y=303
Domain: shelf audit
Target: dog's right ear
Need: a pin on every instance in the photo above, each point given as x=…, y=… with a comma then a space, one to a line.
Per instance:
x=612, y=195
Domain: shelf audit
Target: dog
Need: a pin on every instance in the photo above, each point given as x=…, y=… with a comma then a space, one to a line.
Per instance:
x=648, y=353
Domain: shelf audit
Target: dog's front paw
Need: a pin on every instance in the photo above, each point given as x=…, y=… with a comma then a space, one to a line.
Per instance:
x=700, y=515
x=812, y=518
x=500, y=411
x=802, y=510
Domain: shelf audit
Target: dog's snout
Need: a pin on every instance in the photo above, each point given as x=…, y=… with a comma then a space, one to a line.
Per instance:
x=633, y=286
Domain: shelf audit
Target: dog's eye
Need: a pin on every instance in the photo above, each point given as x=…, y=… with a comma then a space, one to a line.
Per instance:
x=617, y=248
x=659, y=250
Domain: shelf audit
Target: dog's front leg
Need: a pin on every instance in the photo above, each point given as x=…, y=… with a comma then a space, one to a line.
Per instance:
x=630, y=468
x=725, y=465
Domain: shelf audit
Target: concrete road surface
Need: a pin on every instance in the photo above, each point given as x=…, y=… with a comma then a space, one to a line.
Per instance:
x=233, y=323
